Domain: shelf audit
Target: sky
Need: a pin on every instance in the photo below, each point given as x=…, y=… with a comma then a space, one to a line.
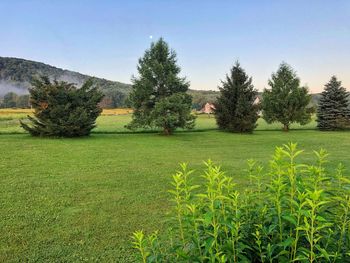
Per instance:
x=106, y=38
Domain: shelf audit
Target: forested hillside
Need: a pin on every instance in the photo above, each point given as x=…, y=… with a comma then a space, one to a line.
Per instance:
x=16, y=75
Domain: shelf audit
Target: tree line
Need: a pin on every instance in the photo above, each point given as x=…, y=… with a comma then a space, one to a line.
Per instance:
x=18, y=74
x=13, y=100
x=112, y=99
x=160, y=99
x=285, y=102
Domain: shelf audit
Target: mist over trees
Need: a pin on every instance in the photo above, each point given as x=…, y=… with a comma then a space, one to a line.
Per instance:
x=17, y=74
x=13, y=100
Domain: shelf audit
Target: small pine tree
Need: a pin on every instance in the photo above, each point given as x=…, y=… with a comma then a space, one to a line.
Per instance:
x=333, y=111
x=158, y=80
x=62, y=109
x=235, y=110
x=286, y=102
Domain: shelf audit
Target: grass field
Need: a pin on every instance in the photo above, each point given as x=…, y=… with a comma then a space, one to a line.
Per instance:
x=73, y=200
x=114, y=120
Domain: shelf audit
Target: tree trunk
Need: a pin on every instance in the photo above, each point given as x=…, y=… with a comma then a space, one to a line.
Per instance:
x=166, y=131
x=285, y=127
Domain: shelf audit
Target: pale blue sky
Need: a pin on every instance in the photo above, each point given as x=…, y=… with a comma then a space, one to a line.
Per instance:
x=105, y=38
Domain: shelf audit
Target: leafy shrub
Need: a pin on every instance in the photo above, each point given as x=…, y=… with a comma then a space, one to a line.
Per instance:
x=294, y=212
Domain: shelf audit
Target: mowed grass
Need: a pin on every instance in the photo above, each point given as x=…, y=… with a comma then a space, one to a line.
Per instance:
x=114, y=121
x=74, y=200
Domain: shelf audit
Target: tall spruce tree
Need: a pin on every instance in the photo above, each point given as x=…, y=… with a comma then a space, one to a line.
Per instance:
x=333, y=111
x=61, y=109
x=159, y=97
x=286, y=102
x=235, y=110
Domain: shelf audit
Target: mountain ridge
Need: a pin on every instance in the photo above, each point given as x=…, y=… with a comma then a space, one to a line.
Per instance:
x=17, y=73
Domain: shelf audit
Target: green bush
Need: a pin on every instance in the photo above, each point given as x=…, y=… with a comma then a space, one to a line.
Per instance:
x=61, y=109
x=293, y=212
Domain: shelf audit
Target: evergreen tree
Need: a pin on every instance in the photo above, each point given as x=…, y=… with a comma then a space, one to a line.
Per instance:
x=235, y=110
x=172, y=112
x=158, y=80
x=286, y=102
x=333, y=110
x=61, y=109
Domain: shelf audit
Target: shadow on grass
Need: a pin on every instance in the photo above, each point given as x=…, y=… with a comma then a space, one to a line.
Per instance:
x=177, y=132
x=119, y=132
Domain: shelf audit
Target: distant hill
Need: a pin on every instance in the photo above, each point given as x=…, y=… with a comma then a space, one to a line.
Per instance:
x=200, y=97
x=16, y=75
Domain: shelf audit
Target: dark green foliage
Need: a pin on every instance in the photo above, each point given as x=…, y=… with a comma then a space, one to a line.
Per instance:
x=172, y=112
x=286, y=102
x=235, y=108
x=153, y=91
x=61, y=109
x=291, y=212
x=333, y=111
x=19, y=73
x=10, y=100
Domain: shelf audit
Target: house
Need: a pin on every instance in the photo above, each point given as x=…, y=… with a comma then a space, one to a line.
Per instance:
x=208, y=108
x=257, y=100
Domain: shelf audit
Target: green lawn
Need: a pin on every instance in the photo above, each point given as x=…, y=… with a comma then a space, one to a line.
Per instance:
x=116, y=124
x=69, y=200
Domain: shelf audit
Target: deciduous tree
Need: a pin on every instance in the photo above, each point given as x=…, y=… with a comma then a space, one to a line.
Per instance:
x=10, y=100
